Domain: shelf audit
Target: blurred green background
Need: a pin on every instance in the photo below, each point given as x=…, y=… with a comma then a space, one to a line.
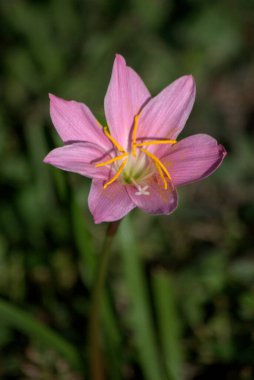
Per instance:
x=184, y=282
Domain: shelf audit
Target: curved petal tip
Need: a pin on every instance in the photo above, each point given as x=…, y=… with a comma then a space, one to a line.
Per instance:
x=119, y=58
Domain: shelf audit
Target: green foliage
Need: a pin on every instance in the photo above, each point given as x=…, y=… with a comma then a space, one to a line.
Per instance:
x=179, y=298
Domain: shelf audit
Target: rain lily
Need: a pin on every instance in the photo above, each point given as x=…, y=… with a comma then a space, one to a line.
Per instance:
x=136, y=160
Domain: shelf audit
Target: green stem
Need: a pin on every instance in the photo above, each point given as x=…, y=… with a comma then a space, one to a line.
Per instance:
x=96, y=362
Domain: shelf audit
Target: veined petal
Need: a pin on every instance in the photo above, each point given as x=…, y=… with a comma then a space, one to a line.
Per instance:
x=75, y=122
x=165, y=115
x=79, y=158
x=112, y=203
x=126, y=94
x=159, y=201
x=193, y=158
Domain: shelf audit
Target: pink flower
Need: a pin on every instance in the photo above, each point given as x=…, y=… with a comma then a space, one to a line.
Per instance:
x=136, y=161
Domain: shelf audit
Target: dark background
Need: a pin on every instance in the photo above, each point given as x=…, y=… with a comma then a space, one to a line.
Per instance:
x=48, y=242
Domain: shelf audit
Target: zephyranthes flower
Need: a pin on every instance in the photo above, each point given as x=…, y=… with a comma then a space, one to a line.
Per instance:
x=136, y=160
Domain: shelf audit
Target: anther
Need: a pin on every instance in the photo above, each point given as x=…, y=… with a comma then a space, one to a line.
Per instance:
x=134, y=136
x=162, y=176
x=114, y=142
x=156, y=142
x=157, y=163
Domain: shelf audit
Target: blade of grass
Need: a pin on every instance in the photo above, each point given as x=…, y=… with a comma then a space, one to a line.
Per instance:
x=34, y=133
x=113, y=351
x=141, y=314
x=84, y=244
x=24, y=322
x=168, y=324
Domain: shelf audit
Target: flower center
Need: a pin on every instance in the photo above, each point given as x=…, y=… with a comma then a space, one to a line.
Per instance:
x=134, y=168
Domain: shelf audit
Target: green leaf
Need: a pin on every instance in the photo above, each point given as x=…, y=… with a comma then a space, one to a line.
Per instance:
x=141, y=319
x=21, y=320
x=168, y=324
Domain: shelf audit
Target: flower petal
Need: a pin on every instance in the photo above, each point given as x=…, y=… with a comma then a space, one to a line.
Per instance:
x=193, y=158
x=125, y=96
x=75, y=122
x=159, y=201
x=165, y=115
x=112, y=203
x=79, y=158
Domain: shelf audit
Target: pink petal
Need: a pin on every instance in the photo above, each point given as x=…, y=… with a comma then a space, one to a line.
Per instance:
x=107, y=205
x=193, y=158
x=159, y=201
x=80, y=158
x=125, y=96
x=75, y=122
x=165, y=115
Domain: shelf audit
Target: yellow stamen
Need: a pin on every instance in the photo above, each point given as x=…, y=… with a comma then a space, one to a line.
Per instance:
x=116, y=175
x=111, y=160
x=154, y=142
x=114, y=142
x=99, y=124
x=134, y=136
x=158, y=162
x=162, y=175
x=163, y=172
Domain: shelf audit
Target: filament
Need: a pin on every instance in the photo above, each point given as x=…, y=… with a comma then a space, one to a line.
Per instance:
x=111, y=160
x=119, y=171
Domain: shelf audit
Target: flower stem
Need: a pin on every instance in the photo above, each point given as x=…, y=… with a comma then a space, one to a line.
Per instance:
x=96, y=362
